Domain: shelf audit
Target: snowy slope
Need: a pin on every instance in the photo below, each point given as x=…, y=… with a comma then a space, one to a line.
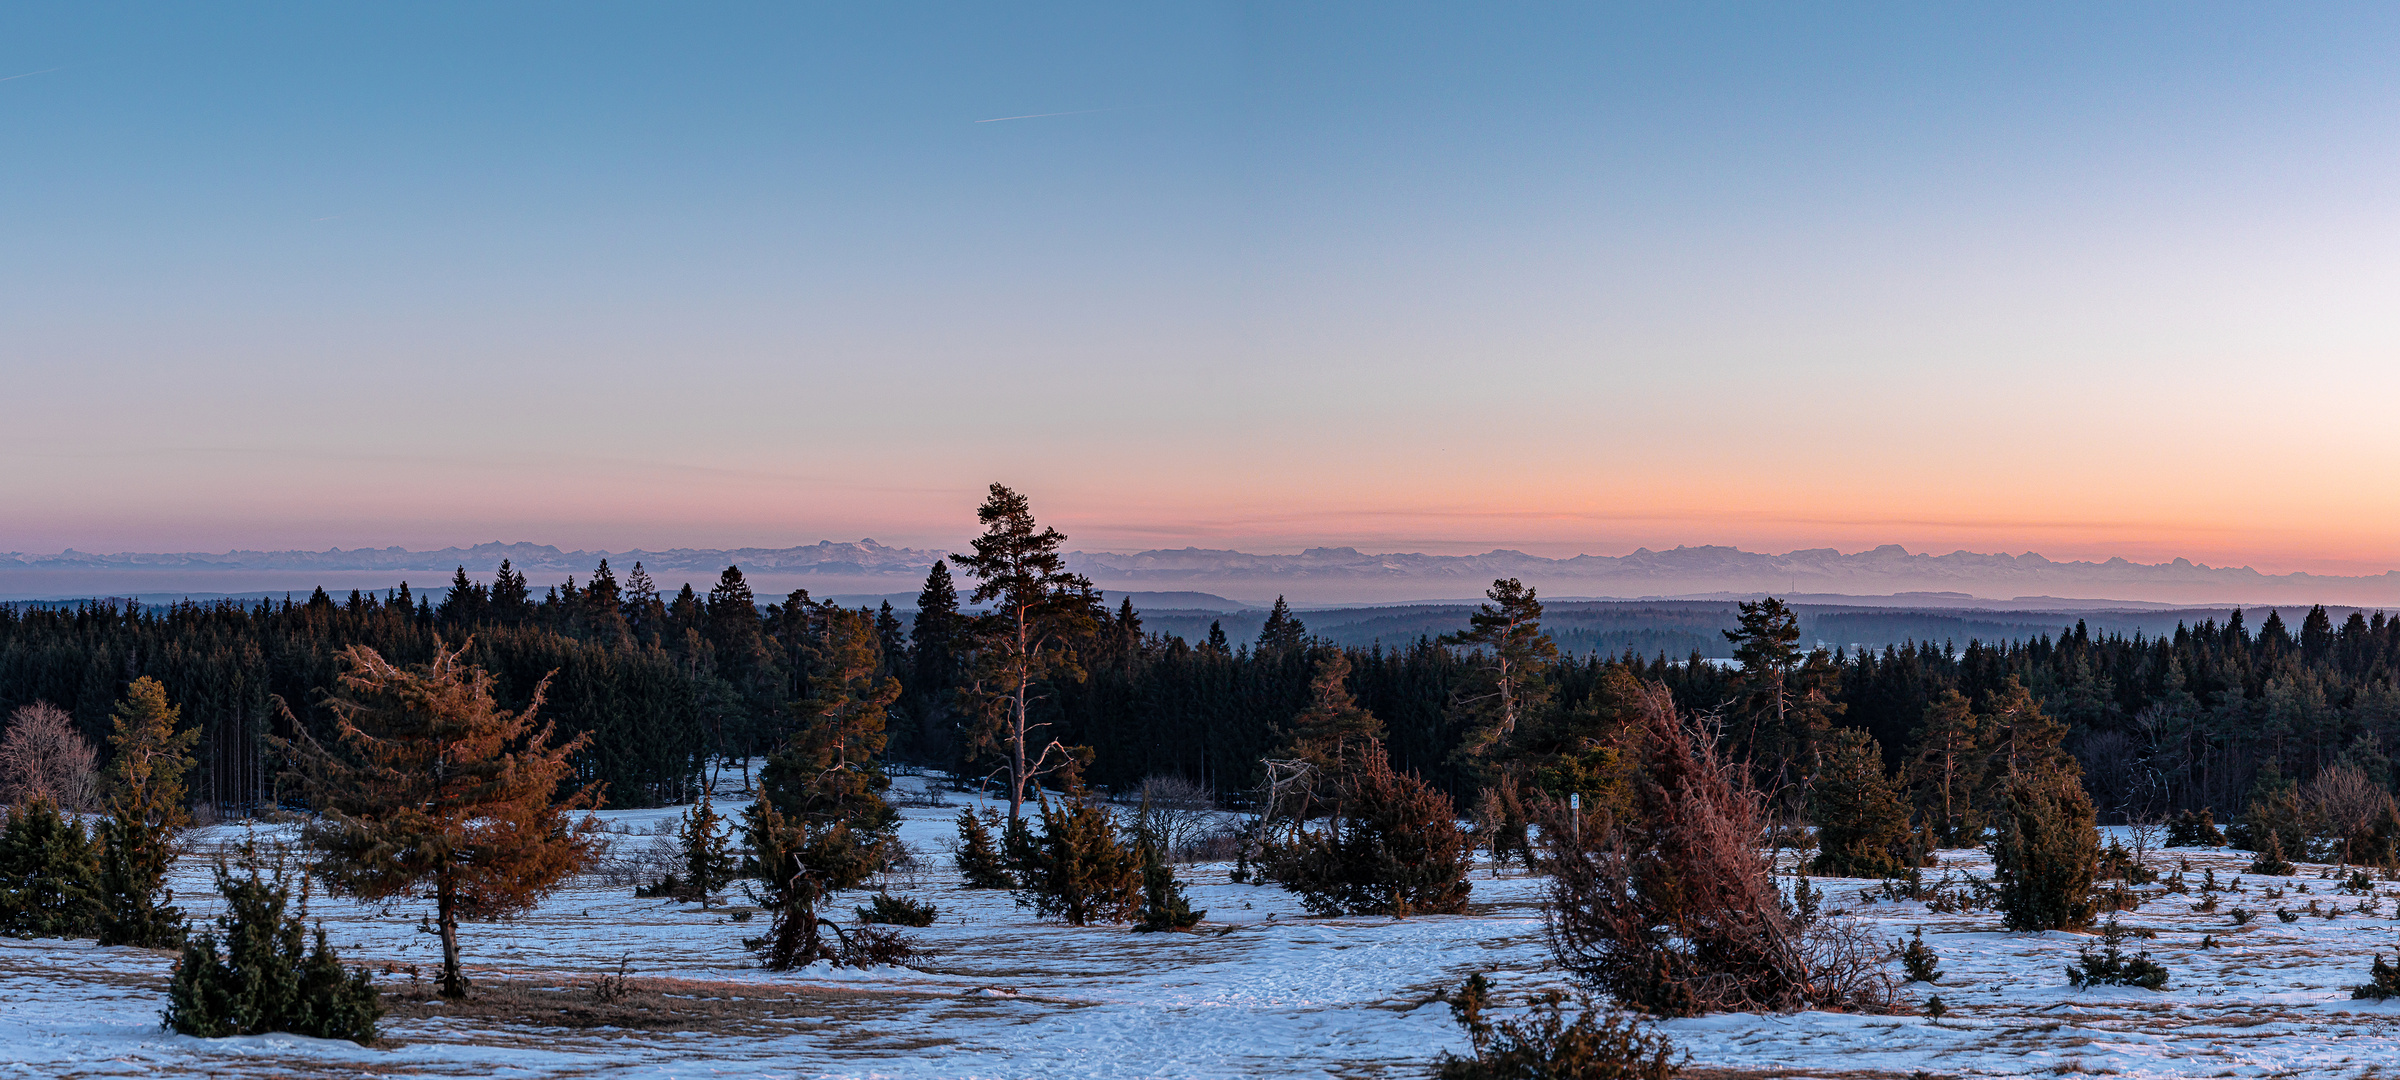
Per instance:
x=1273, y=994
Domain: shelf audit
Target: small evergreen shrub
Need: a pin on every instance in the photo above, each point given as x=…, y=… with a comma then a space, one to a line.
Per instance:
x=1079, y=870
x=2194, y=828
x=2382, y=983
x=267, y=978
x=2118, y=864
x=2240, y=916
x=2270, y=859
x=1935, y=1007
x=669, y=887
x=704, y=837
x=2111, y=967
x=1595, y=1045
x=896, y=911
x=1392, y=848
x=1920, y=960
x=2287, y=914
x=49, y=875
x=1163, y=903
x=979, y=861
x=874, y=946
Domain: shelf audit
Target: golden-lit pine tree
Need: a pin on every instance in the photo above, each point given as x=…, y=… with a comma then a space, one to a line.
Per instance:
x=144, y=793
x=432, y=790
x=148, y=758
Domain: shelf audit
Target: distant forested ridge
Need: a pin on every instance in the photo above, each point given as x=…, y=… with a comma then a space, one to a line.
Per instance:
x=668, y=684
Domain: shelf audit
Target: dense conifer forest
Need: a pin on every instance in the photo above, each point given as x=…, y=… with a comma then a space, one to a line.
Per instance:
x=667, y=684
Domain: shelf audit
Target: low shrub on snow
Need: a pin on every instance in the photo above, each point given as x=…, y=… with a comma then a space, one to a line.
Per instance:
x=2111, y=967
x=1594, y=1045
x=267, y=978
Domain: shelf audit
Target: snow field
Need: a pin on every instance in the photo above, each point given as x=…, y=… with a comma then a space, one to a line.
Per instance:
x=1262, y=991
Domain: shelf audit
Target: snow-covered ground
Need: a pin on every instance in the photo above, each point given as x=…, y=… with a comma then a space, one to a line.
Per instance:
x=1261, y=991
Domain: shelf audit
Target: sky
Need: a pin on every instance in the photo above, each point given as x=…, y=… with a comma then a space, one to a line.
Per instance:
x=2088, y=280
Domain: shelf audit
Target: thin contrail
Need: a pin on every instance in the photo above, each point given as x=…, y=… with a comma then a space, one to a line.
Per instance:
x=30, y=74
x=1039, y=115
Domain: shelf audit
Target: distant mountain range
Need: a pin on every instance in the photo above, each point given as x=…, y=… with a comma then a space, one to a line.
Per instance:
x=1340, y=575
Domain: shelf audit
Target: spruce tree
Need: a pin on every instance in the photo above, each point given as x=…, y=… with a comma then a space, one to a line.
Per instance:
x=644, y=613
x=935, y=640
x=465, y=603
x=267, y=978
x=49, y=875
x=136, y=907
x=708, y=863
x=510, y=602
x=979, y=862
x=2046, y=854
x=1862, y=826
x=1282, y=632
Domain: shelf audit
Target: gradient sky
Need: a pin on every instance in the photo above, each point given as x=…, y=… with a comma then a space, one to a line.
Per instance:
x=2087, y=280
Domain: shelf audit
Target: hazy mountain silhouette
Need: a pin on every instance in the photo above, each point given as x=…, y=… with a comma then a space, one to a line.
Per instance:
x=1327, y=575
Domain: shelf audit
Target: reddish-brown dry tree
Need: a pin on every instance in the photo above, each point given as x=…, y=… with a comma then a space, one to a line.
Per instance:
x=44, y=757
x=1672, y=908
x=432, y=790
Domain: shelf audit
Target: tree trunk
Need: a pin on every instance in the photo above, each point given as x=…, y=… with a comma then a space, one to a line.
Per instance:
x=454, y=984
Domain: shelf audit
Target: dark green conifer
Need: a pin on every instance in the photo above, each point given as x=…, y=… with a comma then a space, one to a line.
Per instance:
x=266, y=978
x=1282, y=632
x=136, y=907
x=2046, y=855
x=708, y=864
x=1079, y=870
x=1862, y=826
x=49, y=875
x=1163, y=904
x=979, y=861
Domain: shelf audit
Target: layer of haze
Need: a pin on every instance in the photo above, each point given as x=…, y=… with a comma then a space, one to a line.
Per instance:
x=2089, y=282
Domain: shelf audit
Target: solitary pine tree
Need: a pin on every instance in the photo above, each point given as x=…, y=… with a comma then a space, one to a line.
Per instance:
x=1039, y=612
x=1514, y=656
x=431, y=789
